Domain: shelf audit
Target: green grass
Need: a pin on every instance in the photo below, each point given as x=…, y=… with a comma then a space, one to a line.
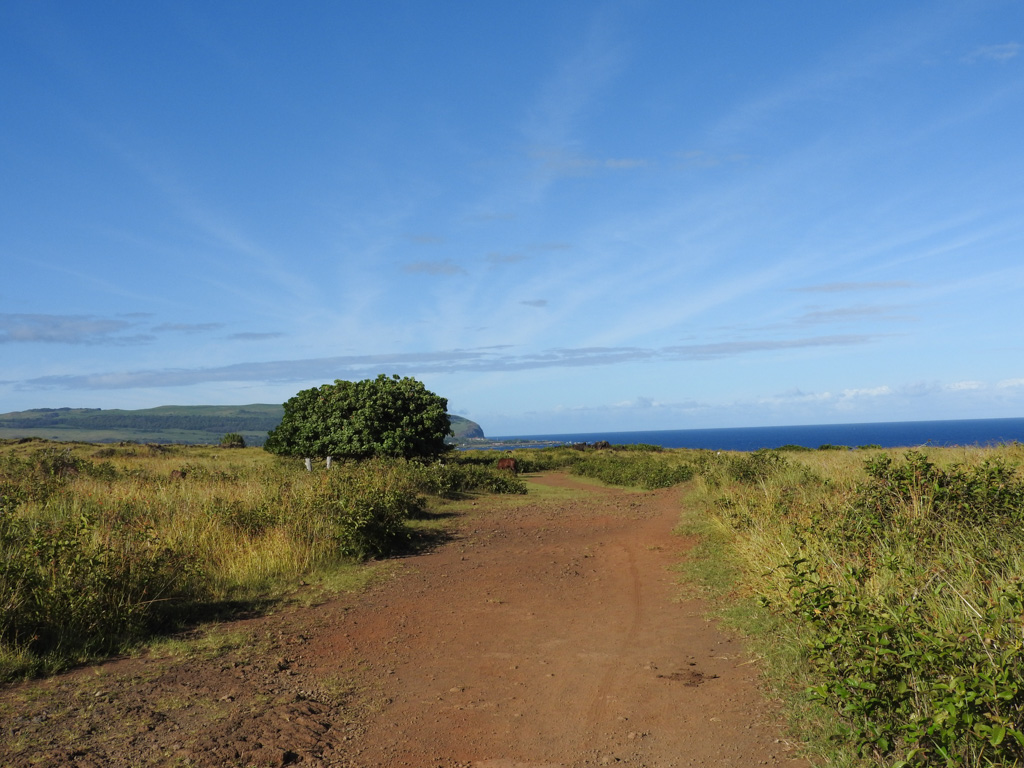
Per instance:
x=185, y=424
x=646, y=467
x=547, y=492
x=883, y=592
x=886, y=590
x=104, y=547
x=715, y=571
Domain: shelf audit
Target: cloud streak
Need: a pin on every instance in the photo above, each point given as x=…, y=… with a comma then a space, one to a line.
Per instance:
x=67, y=329
x=497, y=259
x=848, y=314
x=1001, y=52
x=446, y=267
x=734, y=348
x=453, y=361
x=187, y=327
x=253, y=336
x=863, y=286
x=562, y=162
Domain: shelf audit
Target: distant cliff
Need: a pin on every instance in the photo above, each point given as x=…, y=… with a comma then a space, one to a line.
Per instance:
x=464, y=429
x=190, y=424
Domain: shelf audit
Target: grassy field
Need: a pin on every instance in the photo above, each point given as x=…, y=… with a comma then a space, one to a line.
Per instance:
x=182, y=424
x=102, y=547
x=883, y=590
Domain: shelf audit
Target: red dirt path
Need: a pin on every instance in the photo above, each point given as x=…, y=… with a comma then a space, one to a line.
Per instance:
x=547, y=634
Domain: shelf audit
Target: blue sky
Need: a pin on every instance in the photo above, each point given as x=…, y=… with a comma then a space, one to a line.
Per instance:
x=563, y=217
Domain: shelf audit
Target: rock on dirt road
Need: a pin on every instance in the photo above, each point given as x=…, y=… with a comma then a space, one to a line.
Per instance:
x=548, y=633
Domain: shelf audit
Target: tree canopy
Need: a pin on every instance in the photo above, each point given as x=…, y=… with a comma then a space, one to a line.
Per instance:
x=387, y=416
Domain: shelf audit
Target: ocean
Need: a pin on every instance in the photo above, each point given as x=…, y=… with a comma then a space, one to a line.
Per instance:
x=896, y=434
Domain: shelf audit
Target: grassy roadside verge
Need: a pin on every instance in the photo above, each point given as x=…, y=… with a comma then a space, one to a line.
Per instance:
x=106, y=547
x=883, y=591
x=716, y=571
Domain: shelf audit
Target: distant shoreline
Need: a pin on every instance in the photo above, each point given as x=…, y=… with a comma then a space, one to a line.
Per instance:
x=944, y=433
x=962, y=432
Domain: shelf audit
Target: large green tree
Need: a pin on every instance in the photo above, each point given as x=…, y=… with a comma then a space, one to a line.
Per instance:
x=387, y=416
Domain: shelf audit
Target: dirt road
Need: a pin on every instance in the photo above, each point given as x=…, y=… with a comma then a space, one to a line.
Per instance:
x=546, y=634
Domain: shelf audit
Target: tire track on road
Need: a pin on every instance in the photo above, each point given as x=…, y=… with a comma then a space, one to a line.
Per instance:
x=633, y=596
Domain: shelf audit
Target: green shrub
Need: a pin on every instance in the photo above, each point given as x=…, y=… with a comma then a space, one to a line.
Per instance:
x=97, y=553
x=369, y=504
x=632, y=470
x=936, y=692
x=247, y=517
x=75, y=588
x=38, y=475
x=451, y=480
x=544, y=459
x=904, y=585
x=988, y=493
x=757, y=466
x=494, y=481
x=56, y=463
x=232, y=440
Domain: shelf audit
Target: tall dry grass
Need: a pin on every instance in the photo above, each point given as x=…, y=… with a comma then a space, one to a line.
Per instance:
x=103, y=546
x=900, y=578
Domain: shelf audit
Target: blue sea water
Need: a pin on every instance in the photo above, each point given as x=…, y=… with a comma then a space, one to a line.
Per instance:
x=896, y=434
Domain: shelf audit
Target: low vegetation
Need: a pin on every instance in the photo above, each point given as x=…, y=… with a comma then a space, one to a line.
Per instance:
x=635, y=466
x=892, y=583
x=104, y=546
x=895, y=580
x=182, y=424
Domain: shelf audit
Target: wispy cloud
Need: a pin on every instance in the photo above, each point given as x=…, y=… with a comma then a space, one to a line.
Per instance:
x=68, y=329
x=698, y=158
x=488, y=216
x=552, y=126
x=856, y=286
x=445, y=267
x=535, y=302
x=565, y=96
x=734, y=348
x=624, y=163
x=423, y=238
x=215, y=229
x=846, y=314
x=966, y=386
x=1000, y=52
x=640, y=402
x=490, y=359
x=251, y=336
x=559, y=161
x=187, y=327
x=881, y=391
x=497, y=259
x=861, y=59
x=797, y=395
x=844, y=399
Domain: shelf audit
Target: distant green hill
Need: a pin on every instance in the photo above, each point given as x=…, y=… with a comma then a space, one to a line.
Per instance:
x=190, y=424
